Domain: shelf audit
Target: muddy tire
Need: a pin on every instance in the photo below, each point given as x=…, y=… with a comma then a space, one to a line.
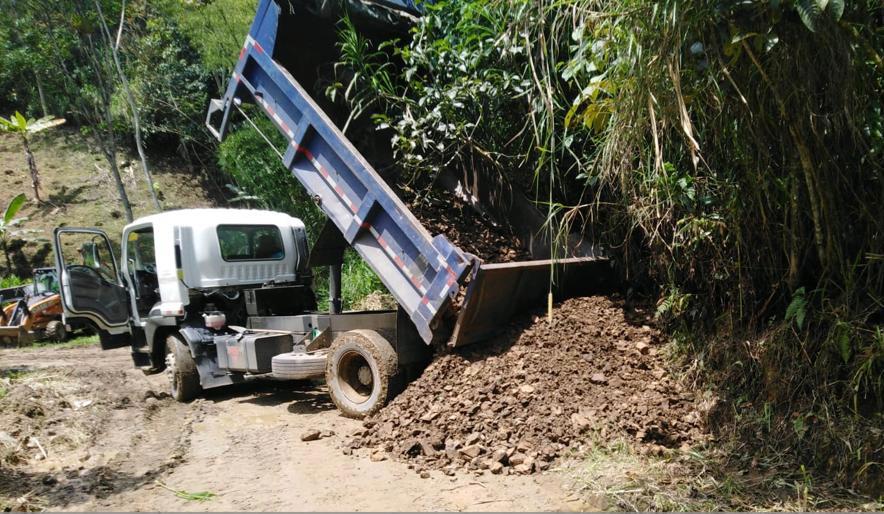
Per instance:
x=184, y=378
x=361, y=373
x=56, y=331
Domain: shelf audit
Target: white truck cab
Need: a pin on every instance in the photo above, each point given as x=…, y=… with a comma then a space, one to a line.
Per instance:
x=218, y=295
x=176, y=252
x=166, y=258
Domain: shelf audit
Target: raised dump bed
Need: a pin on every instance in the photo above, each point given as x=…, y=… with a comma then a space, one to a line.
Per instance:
x=286, y=50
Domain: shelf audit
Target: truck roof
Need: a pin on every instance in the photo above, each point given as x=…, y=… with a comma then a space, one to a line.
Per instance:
x=212, y=217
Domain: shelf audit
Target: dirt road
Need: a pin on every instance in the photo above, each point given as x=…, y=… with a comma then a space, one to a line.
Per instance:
x=82, y=430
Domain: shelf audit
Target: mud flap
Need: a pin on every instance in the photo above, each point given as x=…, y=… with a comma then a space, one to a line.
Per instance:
x=202, y=347
x=498, y=291
x=111, y=341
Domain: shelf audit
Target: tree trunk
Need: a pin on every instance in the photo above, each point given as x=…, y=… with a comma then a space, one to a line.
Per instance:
x=42, y=96
x=109, y=148
x=32, y=167
x=6, y=255
x=130, y=98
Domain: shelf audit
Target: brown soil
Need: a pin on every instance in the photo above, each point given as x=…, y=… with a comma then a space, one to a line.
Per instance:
x=114, y=441
x=520, y=403
x=466, y=228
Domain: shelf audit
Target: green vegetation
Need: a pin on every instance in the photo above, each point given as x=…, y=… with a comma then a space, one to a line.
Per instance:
x=727, y=154
x=217, y=29
x=12, y=281
x=616, y=477
x=202, y=496
x=75, y=342
x=8, y=225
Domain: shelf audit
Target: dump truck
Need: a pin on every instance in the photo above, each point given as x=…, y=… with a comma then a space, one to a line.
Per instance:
x=219, y=296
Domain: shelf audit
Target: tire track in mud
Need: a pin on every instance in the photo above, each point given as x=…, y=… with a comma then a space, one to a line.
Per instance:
x=122, y=434
x=84, y=429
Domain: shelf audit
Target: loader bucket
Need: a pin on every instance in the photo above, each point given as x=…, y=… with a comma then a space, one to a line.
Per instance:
x=15, y=335
x=498, y=291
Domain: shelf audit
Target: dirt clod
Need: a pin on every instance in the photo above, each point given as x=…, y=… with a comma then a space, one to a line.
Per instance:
x=519, y=402
x=311, y=435
x=466, y=228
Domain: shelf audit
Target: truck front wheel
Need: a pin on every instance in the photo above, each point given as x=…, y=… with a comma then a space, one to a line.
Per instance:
x=183, y=375
x=360, y=372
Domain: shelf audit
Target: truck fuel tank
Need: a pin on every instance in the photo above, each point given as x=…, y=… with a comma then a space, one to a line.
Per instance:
x=251, y=352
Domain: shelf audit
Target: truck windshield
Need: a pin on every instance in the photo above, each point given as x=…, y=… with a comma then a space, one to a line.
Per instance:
x=250, y=242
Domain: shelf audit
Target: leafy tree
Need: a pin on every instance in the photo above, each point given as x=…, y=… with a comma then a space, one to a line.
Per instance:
x=114, y=50
x=217, y=29
x=171, y=85
x=18, y=124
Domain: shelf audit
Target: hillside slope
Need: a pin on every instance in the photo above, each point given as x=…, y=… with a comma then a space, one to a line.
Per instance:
x=80, y=191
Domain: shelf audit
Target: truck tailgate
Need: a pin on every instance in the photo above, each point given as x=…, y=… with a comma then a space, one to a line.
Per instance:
x=497, y=291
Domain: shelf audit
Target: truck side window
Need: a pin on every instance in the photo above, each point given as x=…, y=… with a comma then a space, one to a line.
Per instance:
x=250, y=242
x=89, y=251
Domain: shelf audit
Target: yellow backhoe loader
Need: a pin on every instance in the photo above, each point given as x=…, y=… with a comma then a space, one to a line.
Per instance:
x=35, y=314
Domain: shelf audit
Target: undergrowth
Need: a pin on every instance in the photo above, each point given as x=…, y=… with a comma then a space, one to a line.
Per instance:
x=12, y=281
x=612, y=475
x=75, y=342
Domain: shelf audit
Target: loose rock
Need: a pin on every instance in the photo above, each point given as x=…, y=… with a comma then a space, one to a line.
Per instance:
x=311, y=435
x=517, y=403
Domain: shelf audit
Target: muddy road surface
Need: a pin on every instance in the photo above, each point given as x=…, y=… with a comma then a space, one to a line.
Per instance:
x=81, y=430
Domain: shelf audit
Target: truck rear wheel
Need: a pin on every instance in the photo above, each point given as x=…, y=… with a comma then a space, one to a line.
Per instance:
x=360, y=372
x=183, y=375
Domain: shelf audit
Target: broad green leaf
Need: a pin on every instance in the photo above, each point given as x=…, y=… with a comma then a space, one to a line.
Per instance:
x=13, y=207
x=810, y=12
x=21, y=121
x=836, y=9
x=45, y=123
x=797, y=309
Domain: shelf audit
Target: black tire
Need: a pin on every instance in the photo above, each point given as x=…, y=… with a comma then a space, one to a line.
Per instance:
x=361, y=373
x=183, y=375
x=56, y=331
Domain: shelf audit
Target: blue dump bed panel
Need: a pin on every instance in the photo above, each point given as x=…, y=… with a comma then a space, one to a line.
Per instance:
x=423, y=272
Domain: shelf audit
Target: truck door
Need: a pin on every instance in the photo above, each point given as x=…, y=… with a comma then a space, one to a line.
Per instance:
x=91, y=289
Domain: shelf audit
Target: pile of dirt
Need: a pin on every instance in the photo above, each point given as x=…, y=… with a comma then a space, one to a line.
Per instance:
x=522, y=401
x=466, y=228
